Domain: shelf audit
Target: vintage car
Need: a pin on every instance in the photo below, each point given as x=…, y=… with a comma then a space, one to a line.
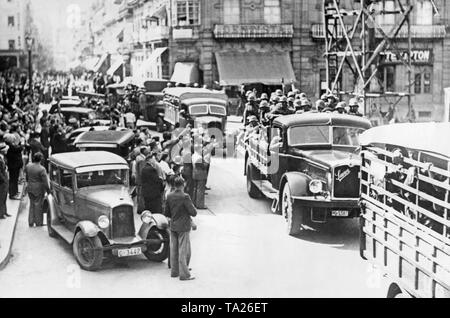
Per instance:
x=309, y=165
x=405, y=223
x=119, y=142
x=65, y=103
x=73, y=135
x=83, y=115
x=90, y=208
x=196, y=106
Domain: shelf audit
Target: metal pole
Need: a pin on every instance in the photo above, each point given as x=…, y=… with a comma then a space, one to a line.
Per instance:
x=363, y=57
x=408, y=2
x=30, y=71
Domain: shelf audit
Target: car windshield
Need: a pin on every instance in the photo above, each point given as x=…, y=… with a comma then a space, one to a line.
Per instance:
x=346, y=136
x=320, y=135
x=218, y=110
x=102, y=178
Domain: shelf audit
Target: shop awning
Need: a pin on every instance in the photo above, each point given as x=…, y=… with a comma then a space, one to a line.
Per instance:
x=114, y=67
x=153, y=57
x=185, y=73
x=100, y=63
x=244, y=68
x=90, y=63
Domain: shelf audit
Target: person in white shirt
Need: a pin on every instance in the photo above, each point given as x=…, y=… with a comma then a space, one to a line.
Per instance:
x=130, y=120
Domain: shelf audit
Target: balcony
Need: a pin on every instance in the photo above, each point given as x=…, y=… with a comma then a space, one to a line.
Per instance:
x=417, y=31
x=154, y=33
x=241, y=31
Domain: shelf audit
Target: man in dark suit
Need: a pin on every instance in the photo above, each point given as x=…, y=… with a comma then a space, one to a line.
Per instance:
x=180, y=210
x=14, y=161
x=38, y=186
x=4, y=181
x=152, y=185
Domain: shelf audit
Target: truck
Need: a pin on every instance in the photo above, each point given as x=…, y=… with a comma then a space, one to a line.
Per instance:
x=309, y=165
x=405, y=203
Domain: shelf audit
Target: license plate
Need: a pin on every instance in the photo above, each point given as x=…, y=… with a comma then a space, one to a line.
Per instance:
x=340, y=213
x=130, y=252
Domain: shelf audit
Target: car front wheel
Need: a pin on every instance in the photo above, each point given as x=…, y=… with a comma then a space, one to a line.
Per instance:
x=88, y=252
x=292, y=212
x=158, y=252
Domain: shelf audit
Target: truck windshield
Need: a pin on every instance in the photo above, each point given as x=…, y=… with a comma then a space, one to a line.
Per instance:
x=102, y=178
x=198, y=110
x=321, y=135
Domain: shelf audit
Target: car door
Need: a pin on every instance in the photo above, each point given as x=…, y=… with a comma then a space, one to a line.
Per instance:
x=66, y=197
x=277, y=155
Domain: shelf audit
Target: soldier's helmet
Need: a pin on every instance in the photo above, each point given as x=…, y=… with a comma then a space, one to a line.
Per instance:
x=279, y=92
x=283, y=99
x=264, y=104
x=252, y=97
x=291, y=99
x=305, y=102
x=264, y=96
x=252, y=119
x=248, y=93
x=341, y=105
x=353, y=102
x=303, y=95
x=291, y=94
x=320, y=104
x=332, y=97
x=297, y=104
x=275, y=99
x=296, y=91
x=324, y=97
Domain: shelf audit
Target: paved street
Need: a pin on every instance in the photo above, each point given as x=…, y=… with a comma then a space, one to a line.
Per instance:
x=239, y=250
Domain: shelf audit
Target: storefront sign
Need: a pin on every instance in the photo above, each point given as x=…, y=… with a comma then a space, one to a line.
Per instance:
x=417, y=57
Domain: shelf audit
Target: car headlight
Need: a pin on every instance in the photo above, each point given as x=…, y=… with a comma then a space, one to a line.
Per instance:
x=146, y=217
x=103, y=222
x=316, y=186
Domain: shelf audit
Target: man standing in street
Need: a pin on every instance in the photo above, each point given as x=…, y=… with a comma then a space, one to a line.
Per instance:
x=200, y=176
x=38, y=186
x=152, y=185
x=14, y=161
x=180, y=210
x=4, y=182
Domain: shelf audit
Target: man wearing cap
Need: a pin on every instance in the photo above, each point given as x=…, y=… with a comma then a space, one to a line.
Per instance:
x=354, y=106
x=4, y=181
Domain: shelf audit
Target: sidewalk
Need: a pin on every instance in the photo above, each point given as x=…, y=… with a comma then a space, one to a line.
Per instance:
x=7, y=229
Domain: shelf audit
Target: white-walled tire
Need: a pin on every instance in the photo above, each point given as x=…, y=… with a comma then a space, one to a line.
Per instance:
x=291, y=211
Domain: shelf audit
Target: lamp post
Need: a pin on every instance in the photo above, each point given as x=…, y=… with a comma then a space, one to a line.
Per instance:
x=30, y=41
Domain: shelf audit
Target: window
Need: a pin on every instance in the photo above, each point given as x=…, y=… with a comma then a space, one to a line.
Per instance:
x=345, y=136
x=231, y=12
x=66, y=179
x=272, y=12
x=11, y=21
x=418, y=84
x=424, y=12
x=387, y=19
x=54, y=174
x=188, y=12
x=424, y=115
x=101, y=178
x=388, y=78
x=427, y=83
x=12, y=44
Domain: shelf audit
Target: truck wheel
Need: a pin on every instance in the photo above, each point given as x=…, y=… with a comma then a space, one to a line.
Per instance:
x=88, y=252
x=292, y=212
x=158, y=252
x=160, y=125
x=51, y=232
x=252, y=189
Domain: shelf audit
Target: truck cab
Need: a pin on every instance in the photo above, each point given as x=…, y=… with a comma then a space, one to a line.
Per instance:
x=308, y=164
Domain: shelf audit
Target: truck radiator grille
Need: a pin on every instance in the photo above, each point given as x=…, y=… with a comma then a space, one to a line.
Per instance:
x=346, y=182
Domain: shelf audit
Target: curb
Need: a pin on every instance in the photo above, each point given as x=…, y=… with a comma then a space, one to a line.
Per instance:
x=5, y=261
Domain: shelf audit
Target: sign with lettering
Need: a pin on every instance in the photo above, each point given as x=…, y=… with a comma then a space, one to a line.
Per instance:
x=418, y=56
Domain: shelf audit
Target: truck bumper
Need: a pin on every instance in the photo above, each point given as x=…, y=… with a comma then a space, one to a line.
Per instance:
x=320, y=202
x=321, y=210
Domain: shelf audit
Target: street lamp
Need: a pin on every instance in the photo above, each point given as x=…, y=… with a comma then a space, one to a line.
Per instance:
x=30, y=41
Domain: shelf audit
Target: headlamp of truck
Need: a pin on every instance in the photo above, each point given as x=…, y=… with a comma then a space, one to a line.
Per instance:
x=103, y=222
x=146, y=217
x=316, y=186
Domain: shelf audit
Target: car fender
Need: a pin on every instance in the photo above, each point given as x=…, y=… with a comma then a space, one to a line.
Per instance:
x=50, y=201
x=298, y=183
x=88, y=228
x=158, y=220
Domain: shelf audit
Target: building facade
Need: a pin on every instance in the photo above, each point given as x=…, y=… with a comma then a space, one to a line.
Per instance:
x=13, y=28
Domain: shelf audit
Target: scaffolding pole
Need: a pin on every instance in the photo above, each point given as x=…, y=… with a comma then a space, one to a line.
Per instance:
x=352, y=47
